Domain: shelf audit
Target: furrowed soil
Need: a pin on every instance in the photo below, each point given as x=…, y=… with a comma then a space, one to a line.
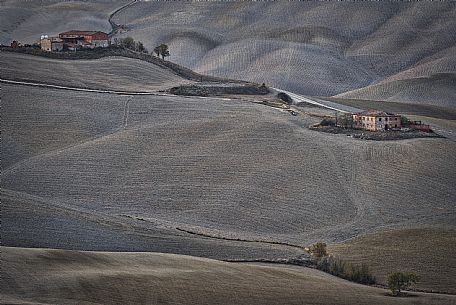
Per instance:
x=47, y=276
x=223, y=168
x=427, y=252
x=109, y=73
x=220, y=178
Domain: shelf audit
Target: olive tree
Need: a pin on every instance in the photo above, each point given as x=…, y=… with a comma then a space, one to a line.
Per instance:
x=162, y=50
x=398, y=281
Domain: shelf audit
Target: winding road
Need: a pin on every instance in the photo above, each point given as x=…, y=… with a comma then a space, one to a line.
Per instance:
x=297, y=98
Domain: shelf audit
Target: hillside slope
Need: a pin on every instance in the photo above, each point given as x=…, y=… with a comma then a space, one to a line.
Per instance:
x=436, y=89
x=224, y=168
x=113, y=73
x=426, y=252
x=26, y=20
x=313, y=48
x=154, y=278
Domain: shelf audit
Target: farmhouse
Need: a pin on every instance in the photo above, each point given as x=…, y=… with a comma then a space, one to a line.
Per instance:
x=376, y=120
x=51, y=44
x=73, y=40
x=85, y=39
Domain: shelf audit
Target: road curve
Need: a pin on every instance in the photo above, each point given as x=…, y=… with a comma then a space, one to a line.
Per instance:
x=297, y=98
x=115, y=26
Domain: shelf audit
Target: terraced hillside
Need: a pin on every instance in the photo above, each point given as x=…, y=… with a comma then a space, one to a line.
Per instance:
x=110, y=278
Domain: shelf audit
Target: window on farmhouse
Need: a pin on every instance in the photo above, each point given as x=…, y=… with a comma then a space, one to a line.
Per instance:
x=379, y=119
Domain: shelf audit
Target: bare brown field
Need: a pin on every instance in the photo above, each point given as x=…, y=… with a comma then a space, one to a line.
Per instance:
x=223, y=178
x=35, y=123
x=402, y=108
x=312, y=48
x=27, y=20
x=427, y=252
x=234, y=169
x=114, y=73
x=45, y=276
x=436, y=89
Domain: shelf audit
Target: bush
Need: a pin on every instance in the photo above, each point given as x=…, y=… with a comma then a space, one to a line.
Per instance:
x=283, y=96
x=318, y=250
x=404, y=121
x=398, y=281
x=345, y=270
x=327, y=122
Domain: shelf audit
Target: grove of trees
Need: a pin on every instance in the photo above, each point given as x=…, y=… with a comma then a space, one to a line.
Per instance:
x=131, y=44
x=338, y=267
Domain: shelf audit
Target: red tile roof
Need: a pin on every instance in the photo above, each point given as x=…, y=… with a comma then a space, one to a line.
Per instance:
x=375, y=113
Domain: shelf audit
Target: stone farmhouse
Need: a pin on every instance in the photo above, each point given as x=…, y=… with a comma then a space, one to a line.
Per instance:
x=74, y=40
x=51, y=44
x=376, y=120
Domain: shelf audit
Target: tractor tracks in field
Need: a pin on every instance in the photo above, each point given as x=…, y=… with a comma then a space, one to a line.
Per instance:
x=126, y=110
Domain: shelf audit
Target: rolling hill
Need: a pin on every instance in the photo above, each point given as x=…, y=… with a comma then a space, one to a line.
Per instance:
x=313, y=48
x=224, y=168
x=112, y=73
x=193, y=179
x=26, y=20
x=110, y=278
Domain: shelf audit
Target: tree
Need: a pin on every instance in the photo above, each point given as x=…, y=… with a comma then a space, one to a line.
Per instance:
x=162, y=50
x=140, y=47
x=157, y=51
x=128, y=43
x=398, y=281
x=404, y=121
x=318, y=250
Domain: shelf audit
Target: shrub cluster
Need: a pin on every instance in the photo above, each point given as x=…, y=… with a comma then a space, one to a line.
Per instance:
x=327, y=122
x=346, y=270
x=130, y=43
x=318, y=250
x=284, y=97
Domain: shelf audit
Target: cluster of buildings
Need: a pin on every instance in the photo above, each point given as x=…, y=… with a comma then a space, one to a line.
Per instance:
x=74, y=40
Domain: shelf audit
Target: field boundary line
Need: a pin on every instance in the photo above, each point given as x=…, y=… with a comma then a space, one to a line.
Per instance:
x=242, y=240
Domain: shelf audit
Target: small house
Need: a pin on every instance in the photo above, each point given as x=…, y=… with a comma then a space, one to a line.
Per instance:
x=375, y=120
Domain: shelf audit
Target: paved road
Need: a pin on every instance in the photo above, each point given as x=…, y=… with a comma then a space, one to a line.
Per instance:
x=115, y=26
x=319, y=102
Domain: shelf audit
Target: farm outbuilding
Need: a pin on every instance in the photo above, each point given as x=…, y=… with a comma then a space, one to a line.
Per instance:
x=51, y=44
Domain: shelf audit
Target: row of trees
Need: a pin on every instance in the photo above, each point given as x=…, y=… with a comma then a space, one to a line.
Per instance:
x=397, y=281
x=129, y=43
